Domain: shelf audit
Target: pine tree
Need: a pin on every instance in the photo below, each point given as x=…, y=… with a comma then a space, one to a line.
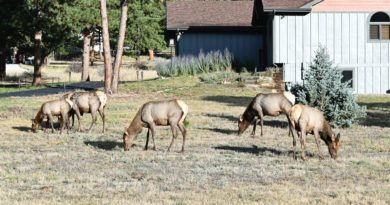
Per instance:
x=145, y=29
x=324, y=89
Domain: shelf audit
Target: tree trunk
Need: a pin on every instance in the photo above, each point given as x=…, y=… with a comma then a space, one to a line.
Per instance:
x=106, y=48
x=92, y=58
x=121, y=40
x=87, y=41
x=38, y=60
x=151, y=55
x=3, y=58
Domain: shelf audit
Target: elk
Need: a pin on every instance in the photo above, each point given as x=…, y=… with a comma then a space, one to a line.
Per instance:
x=305, y=119
x=157, y=113
x=271, y=104
x=88, y=102
x=52, y=108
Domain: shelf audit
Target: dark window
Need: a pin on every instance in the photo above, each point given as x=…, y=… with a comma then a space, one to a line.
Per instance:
x=380, y=26
x=347, y=76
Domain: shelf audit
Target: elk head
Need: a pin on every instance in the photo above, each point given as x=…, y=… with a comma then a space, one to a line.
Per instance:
x=333, y=145
x=242, y=125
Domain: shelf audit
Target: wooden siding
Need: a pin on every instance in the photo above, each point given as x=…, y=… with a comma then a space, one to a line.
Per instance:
x=244, y=47
x=352, y=6
x=296, y=38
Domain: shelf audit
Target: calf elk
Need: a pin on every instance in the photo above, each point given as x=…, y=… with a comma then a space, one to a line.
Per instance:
x=157, y=113
x=53, y=108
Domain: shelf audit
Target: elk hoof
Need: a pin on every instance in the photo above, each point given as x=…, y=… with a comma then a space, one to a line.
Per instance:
x=321, y=157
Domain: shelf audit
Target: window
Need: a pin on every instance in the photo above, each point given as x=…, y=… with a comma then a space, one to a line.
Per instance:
x=347, y=76
x=379, y=26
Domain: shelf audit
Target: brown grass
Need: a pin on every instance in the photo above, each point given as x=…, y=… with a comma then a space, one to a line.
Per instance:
x=218, y=167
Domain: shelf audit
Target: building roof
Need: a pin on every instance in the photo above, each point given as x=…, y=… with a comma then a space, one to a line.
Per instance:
x=185, y=14
x=286, y=4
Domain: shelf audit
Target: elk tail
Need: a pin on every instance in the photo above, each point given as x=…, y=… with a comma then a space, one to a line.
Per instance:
x=102, y=98
x=184, y=108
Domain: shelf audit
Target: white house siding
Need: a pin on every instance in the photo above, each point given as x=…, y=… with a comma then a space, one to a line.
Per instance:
x=296, y=38
x=244, y=47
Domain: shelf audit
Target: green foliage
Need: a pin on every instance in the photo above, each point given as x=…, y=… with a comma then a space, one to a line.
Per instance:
x=323, y=89
x=145, y=26
x=218, y=77
x=192, y=65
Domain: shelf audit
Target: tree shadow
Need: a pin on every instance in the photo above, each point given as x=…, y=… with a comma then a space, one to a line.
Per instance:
x=377, y=118
x=259, y=150
x=22, y=128
x=55, y=89
x=229, y=100
x=223, y=116
x=276, y=123
x=223, y=131
x=105, y=145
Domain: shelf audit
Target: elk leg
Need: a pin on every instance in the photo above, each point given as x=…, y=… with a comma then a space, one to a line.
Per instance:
x=153, y=130
x=79, y=119
x=174, y=129
x=294, y=135
x=64, y=121
x=317, y=136
x=147, y=140
x=260, y=116
x=101, y=112
x=289, y=126
x=302, y=137
x=254, y=128
x=93, y=120
x=51, y=122
x=184, y=133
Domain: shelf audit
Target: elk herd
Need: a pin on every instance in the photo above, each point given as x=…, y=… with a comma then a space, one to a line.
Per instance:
x=301, y=119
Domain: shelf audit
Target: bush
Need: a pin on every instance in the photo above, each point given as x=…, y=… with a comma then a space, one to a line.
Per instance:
x=192, y=65
x=323, y=89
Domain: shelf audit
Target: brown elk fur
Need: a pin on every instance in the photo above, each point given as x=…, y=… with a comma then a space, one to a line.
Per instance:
x=272, y=104
x=157, y=113
x=305, y=119
x=52, y=108
x=88, y=102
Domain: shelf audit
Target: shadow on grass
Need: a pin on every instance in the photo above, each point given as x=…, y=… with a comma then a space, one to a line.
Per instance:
x=222, y=116
x=230, y=100
x=54, y=89
x=259, y=150
x=377, y=118
x=105, y=145
x=271, y=123
x=219, y=130
x=22, y=128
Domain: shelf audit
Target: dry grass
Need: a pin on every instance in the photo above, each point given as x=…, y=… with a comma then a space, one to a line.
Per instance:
x=218, y=167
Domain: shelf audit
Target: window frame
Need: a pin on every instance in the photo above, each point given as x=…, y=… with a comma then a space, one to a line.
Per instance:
x=352, y=69
x=380, y=24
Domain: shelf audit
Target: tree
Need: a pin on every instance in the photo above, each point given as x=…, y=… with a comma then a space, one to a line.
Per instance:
x=11, y=32
x=323, y=88
x=106, y=47
x=119, y=52
x=49, y=26
x=145, y=29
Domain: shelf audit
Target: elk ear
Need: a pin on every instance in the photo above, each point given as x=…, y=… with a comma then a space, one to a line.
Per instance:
x=338, y=137
x=240, y=118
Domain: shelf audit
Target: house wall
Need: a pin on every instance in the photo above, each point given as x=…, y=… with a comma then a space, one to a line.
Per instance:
x=345, y=34
x=245, y=47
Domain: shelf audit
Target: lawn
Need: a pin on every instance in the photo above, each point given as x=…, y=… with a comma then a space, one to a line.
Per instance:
x=218, y=166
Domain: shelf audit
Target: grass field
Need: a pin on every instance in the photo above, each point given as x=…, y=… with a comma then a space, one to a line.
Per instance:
x=218, y=166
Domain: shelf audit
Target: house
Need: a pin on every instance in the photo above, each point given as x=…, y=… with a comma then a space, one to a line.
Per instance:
x=215, y=25
x=355, y=32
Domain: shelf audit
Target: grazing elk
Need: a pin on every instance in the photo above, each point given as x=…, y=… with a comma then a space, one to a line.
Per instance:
x=271, y=104
x=305, y=119
x=88, y=102
x=49, y=109
x=157, y=113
